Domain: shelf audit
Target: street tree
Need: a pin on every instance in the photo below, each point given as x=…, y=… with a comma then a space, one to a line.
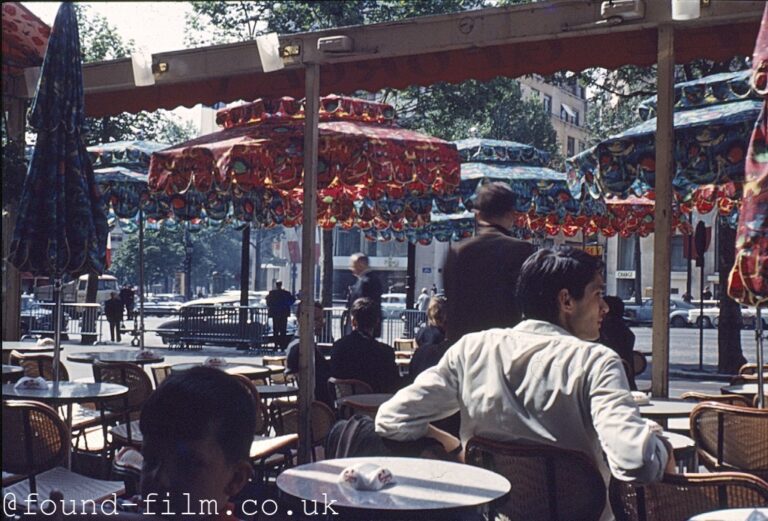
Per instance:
x=163, y=257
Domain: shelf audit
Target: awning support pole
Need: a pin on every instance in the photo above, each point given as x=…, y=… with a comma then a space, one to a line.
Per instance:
x=662, y=238
x=309, y=225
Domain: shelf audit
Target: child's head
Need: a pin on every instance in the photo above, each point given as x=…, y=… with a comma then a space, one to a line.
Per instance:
x=197, y=427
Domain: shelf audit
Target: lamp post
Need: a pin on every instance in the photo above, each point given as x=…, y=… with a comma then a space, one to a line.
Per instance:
x=187, y=264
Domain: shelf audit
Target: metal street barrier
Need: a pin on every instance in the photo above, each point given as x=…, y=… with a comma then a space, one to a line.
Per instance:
x=80, y=319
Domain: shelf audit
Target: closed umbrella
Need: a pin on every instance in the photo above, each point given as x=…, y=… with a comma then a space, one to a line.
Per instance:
x=61, y=227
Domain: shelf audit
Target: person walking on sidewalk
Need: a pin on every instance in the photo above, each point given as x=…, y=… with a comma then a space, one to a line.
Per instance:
x=113, y=308
x=279, y=304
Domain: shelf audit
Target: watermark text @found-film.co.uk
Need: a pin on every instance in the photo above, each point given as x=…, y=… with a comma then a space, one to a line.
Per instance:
x=153, y=504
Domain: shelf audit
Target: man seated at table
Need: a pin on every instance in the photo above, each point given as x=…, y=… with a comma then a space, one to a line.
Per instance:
x=360, y=356
x=544, y=381
x=322, y=366
x=198, y=427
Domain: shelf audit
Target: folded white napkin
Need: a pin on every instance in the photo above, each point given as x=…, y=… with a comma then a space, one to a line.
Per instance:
x=214, y=361
x=365, y=476
x=27, y=382
x=146, y=353
x=640, y=398
x=45, y=342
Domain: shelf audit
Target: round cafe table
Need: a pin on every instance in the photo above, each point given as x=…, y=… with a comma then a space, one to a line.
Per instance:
x=733, y=514
x=684, y=450
x=277, y=391
x=252, y=371
x=662, y=409
x=420, y=488
x=66, y=393
x=746, y=390
x=23, y=347
x=115, y=356
x=12, y=373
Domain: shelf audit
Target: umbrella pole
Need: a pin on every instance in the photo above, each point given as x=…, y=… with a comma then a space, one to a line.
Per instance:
x=56, y=328
x=141, y=279
x=760, y=361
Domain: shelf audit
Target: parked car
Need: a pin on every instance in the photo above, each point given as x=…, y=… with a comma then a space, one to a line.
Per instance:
x=163, y=304
x=36, y=317
x=711, y=317
x=643, y=314
x=221, y=327
x=392, y=305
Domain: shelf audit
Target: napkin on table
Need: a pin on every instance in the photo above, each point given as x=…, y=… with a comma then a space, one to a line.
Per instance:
x=365, y=476
x=214, y=361
x=27, y=382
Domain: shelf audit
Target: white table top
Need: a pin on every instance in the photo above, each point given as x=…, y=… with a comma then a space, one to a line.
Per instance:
x=26, y=347
x=666, y=408
x=734, y=514
x=678, y=441
x=749, y=389
x=250, y=370
x=418, y=485
x=66, y=392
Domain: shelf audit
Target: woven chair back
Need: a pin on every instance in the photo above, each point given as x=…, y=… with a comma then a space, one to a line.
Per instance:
x=130, y=375
x=341, y=387
x=262, y=425
x=38, y=365
x=35, y=439
x=751, y=369
x=548, y=483
x=731, y=399
x=679, y=497
x=160, y=373
x=322, y=419
x=729, y=437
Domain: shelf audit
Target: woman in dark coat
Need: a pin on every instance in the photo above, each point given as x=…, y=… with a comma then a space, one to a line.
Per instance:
x=615, y=333
x=430, y=339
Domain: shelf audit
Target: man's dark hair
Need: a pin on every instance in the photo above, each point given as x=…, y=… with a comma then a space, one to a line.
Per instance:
x=189, y=405
x=366, y=313
x=546, y=272
x=494, y=200
x=279, y=284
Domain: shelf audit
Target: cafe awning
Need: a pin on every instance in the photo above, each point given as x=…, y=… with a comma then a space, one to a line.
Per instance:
x=508, y=41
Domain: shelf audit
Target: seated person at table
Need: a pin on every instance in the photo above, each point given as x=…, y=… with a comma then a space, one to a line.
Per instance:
x=198, y=427
x=544, y=380
x=430, y=339
x=360, y=356
x=615, y=333
x=322, y=366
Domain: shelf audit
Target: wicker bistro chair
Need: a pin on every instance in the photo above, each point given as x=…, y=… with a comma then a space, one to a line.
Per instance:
x=269, y=455
x=678, y=497
x=321, y=420
x=548, y=483
x=729, y=437
x=160, y=373
x=341, y=387
x=751, y=369
x=125, y=409
x=35, y=441
x=38, y=365
x=683, y=425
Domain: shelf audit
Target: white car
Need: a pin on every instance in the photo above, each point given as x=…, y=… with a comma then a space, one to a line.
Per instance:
x=392, y=305
x=711, y=317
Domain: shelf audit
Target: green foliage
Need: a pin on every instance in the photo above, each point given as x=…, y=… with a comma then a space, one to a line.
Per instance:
x=163, y=256
x=14, y=171
x=492, y=109
x=215, y=249
x=101, y=41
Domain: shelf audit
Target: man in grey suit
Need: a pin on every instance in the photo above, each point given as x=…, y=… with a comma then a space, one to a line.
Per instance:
x=480, y=274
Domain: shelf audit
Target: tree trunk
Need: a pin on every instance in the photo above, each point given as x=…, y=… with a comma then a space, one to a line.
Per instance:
x=638, y=272
x=326, y=281
x=730, y=356
x=11, y=280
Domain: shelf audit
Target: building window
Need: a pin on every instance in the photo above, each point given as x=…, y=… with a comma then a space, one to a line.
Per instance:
x=679, y=262
x=571, y=148
x=548, y=103
x=576, y=120
x=626, y=252
x=347, y=242
x=567, y=114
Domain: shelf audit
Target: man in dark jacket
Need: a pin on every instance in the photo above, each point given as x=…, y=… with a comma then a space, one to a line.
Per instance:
x=279, y=304
x=481, y=273
x=113, y=308
x=367, y=285
x=360, y=356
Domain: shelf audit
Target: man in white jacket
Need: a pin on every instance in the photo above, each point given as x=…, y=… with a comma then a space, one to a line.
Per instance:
x=544, y=381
